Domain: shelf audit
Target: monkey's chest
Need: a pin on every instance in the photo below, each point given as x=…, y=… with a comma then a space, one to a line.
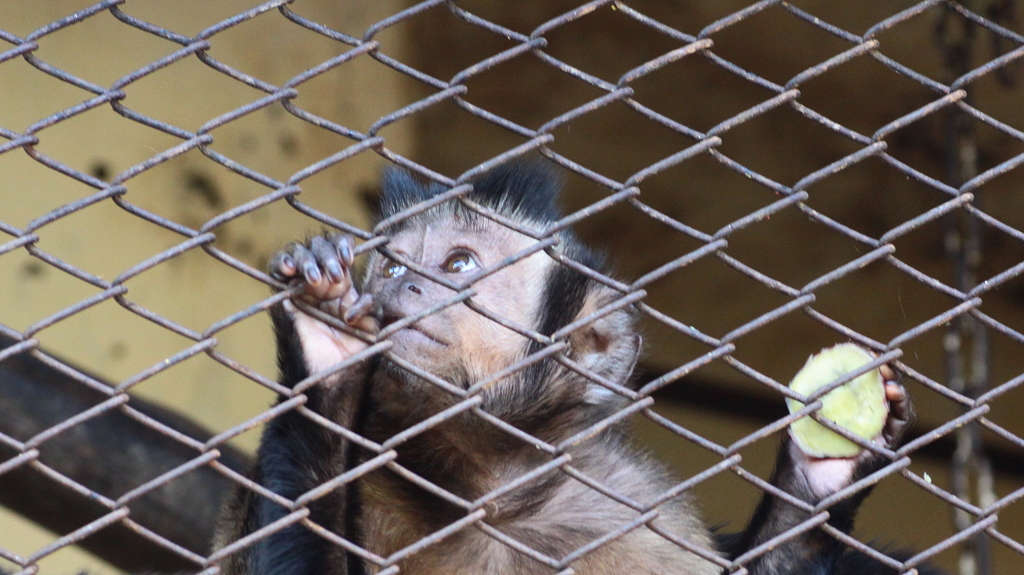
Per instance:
x=394, y=526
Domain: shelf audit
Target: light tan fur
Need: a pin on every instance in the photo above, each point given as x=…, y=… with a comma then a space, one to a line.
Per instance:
x=570, y=514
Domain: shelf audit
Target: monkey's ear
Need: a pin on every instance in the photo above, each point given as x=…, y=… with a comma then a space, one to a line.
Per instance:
x=608, y=346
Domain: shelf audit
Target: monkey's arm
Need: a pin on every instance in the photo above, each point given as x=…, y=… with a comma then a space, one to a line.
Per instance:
x=297, y=454
x=815, y=552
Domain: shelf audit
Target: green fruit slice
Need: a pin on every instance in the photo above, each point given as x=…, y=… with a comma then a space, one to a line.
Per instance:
x=858, y=405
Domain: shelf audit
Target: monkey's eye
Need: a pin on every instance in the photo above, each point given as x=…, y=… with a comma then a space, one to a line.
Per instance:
x=460, y=263
x=393, y=269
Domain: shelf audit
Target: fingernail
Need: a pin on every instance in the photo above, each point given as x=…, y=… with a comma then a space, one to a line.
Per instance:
x=313, y=274
x=334, y=270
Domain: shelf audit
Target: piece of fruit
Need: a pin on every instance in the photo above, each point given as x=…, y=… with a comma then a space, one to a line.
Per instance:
x=858, y=405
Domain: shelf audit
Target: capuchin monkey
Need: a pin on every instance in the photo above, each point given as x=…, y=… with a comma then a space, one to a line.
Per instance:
x=533, y=524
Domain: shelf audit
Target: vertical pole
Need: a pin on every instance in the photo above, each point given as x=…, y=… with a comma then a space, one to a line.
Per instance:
x=966, y=340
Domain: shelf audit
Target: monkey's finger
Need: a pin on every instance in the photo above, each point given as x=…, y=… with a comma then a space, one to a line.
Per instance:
x=361, y=314
x=888, y=373
x=282, y=267
x=345, y=246
x=359, y=309
x=901, y=413
x=306, y=263
x=327, y=258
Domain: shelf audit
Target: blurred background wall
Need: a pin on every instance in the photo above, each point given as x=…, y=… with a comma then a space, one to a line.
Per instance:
x=616, y=141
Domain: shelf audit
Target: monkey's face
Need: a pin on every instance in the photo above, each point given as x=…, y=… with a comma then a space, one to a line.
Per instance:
x=458, y=343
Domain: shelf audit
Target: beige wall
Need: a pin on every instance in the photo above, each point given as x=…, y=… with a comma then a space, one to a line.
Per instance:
x=193, y=289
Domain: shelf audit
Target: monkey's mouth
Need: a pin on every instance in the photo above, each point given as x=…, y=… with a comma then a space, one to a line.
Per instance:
x=424, y=333
x=415, y=332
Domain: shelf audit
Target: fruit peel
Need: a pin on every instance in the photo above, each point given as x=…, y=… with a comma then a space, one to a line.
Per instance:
x=858, y=405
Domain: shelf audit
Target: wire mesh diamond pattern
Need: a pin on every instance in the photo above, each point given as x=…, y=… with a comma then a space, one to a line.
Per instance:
x=650, y=49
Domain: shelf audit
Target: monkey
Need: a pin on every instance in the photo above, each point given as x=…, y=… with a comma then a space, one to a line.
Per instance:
x=524, y=355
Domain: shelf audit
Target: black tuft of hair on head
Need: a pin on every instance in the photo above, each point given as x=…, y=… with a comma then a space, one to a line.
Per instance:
x=524, y=191
x=401, y=190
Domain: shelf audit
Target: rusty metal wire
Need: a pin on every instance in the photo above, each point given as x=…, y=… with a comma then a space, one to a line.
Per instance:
x=968, y=383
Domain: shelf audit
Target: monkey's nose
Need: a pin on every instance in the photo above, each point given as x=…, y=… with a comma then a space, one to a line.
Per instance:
x=414, y=288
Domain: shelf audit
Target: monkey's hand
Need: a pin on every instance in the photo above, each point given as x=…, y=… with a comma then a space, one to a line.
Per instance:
x=825, y=476
x=322, y=266
x=812, y=479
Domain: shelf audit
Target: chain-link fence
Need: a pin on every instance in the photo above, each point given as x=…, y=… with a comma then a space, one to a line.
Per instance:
x=769, y=177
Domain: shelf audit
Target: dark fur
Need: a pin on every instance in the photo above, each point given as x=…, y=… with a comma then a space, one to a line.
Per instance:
x=528, y=193
x=815, y=553
x=295, y=456
x=547, y=401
